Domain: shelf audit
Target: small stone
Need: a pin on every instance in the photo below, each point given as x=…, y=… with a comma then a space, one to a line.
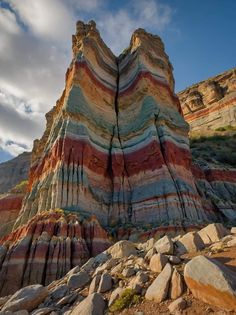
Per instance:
x=89, y=265
x=105, y=283
x=141, y=277
x=150, y=253
x=21, y=312
x=128, y=272
x=42, y=311
x=175, y=260
x=164, y=245
x=115, y=295
x=158, y=262
x=79, y=280
x=177, y=305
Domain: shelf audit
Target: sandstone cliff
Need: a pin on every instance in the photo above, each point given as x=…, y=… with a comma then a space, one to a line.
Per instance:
x=14, y=171
x=210, y=104
x=115, y=153
x=116, y=144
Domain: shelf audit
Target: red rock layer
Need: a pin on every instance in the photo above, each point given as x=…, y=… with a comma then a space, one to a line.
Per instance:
x=46, y=248
x=210, y=104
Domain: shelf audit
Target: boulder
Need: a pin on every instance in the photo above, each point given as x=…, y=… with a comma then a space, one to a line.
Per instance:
x=177, y=305
x=105, y=283
x=158, y=290
x=211, y=282
x=69, y=299
x=122, y=249
x=79, y=280
x=233, y=230
x=176, y=285
x=92, y=305
x=164, y=245
x=158, y=262
x=27, y=298
x=94, y=284
x=59, y=292
x=212, y=233
x=189, y=243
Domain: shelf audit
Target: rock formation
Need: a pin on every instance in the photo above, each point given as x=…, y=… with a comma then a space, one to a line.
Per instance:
x=211, y=104
x=116, y=144
x=115, y=153
x=46, y=248
x=14, y=171
x=10, y=206
x=121, y=280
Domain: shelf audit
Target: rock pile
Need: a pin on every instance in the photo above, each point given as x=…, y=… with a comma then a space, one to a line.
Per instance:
x=125, y=275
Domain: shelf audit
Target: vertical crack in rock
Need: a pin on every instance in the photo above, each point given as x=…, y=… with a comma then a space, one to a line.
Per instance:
x=169, y=170
x=110, y=172
x=125, y=170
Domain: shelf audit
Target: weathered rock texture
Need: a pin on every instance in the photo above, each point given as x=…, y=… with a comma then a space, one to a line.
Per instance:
x=116, y=144
x=10, y=206
x=14, y=171
x=47, y=248
x=211, y=104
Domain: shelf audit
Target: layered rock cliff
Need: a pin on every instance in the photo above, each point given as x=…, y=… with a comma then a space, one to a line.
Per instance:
x=116, y=144
x=14, y=171
x=210, y=104
x=116, y=148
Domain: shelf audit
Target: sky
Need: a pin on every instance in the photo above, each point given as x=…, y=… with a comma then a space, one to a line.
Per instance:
x=35, y=50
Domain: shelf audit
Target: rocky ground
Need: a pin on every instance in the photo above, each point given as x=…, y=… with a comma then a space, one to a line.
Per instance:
x=190, y=274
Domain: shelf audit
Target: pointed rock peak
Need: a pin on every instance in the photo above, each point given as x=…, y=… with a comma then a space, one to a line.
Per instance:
x=141, y=38
x=88, y=33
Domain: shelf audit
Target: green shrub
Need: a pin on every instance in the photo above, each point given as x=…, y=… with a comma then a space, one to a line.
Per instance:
x=127, y=298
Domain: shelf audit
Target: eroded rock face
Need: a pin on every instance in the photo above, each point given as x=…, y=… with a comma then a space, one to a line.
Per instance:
x=115, y=147
x=116, y=141
x=46, y=248
x=210, y=104
x=14, y=171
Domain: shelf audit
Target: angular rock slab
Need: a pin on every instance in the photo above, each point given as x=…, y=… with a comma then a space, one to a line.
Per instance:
x=158, y=290
x=164, y=245
x=92, y=305
x=122, y=249
x=211, y=282
x=27, y=298
x=212, y=233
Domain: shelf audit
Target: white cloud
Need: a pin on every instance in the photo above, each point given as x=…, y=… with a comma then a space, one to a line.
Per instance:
x=35, y=50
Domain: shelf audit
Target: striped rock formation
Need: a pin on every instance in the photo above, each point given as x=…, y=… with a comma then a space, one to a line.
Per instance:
x=46, y=248
x=115, y=147
x=211, y=104
x=116, y=144
x=10, y=206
